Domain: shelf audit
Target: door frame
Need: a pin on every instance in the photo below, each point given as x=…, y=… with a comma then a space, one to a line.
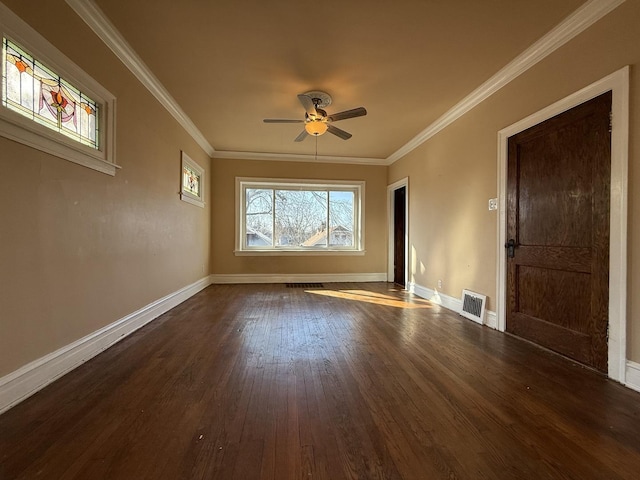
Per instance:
x=404, y=182
x=618, y=83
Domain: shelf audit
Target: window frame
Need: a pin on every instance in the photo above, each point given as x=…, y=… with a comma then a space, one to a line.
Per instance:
x=244, y=183
x=19, y=128
x=185, y=194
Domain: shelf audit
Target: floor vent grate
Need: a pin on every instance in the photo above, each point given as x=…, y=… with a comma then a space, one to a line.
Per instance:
x=305, y=285
x=473, y=305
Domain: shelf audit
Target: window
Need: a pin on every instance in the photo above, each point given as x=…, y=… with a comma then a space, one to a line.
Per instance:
x=299, y=216
x=49, y=103
x=192, y=181
x=38, y=93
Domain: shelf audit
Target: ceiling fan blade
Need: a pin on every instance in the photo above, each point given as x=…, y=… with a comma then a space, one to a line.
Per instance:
x=302, y=136
x=356, y=112
x=281, y=120
x=307, y=103
x=338, y=132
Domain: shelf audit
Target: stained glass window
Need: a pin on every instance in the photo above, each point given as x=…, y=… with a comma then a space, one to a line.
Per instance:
x=190, y=181
x=193, y=187
x=35, y=91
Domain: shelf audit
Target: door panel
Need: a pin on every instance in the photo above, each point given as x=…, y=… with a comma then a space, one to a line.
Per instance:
x=558, y=215
x=559, y=289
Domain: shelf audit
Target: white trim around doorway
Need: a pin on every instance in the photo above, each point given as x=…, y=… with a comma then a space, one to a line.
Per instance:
x=404, y=182
x=618, y=83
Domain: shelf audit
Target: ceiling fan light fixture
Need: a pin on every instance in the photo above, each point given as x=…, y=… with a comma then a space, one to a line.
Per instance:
x=316, y=127
x=316, y=121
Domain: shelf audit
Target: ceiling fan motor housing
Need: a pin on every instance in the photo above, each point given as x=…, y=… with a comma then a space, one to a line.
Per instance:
x=321, y=117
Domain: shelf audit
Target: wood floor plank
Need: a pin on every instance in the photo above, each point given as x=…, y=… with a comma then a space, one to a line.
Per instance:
x=348, y=381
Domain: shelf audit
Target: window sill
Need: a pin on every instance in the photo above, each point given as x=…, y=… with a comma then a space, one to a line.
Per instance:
x=191, y=200
x=298, y=253
x=49, y=142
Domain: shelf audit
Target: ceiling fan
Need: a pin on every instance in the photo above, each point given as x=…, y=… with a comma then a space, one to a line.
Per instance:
x=316, y=121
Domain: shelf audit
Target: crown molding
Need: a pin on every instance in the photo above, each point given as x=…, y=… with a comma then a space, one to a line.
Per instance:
x=570, y=27
x=95, y=18
x=294, y=157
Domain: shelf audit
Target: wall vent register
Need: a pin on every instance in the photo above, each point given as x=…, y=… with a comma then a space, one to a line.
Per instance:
x=473, y=306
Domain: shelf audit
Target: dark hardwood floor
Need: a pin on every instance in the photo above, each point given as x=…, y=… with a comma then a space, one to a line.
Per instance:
x=342, y=382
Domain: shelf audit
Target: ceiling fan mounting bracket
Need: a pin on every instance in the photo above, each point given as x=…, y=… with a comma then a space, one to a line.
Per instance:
x=320, y=99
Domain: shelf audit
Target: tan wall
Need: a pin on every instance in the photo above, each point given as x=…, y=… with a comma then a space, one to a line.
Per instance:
x=224, y=173
x=453, y=175
x=81, y=249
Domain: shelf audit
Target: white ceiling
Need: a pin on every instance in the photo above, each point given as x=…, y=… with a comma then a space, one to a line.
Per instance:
x=230, y=63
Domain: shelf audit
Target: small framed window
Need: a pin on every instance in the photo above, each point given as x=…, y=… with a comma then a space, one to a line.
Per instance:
x=38, y=93
x=192, y=181
x=298, y=217
x=49, y=103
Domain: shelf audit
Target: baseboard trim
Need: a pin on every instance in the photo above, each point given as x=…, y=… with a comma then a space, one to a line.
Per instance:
x=450, y=303
x=491, y=319
x=29, y=379
x=299, y=278
x=632, y=379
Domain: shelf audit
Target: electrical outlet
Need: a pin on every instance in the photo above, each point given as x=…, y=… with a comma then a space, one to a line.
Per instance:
x=493, y=204
x=439, y=283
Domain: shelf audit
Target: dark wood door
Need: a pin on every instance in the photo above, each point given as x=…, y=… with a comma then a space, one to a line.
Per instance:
x=399, y=227
x=558, y=222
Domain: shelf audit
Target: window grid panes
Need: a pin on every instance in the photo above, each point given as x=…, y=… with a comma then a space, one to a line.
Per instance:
x=300, y=217
x=36, y=92
x=341, y=206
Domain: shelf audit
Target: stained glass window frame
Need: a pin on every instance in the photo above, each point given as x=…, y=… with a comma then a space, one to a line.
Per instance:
x=24, y=129
x=192, y=181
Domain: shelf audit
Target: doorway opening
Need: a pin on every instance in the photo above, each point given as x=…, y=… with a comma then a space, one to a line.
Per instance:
x=398, y=209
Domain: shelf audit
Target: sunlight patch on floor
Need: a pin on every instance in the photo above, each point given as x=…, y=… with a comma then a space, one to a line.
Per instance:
x=370, y=297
